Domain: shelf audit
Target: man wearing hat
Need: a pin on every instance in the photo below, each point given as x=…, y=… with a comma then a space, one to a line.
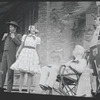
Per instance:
x=12, y=40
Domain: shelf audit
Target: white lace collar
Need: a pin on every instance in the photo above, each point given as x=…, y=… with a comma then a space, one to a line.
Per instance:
x=31, y=35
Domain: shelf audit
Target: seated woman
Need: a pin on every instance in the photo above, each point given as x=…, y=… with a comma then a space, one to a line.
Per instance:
x=80, y=65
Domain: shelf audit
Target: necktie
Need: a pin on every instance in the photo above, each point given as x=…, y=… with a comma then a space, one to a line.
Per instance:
x=75, y=61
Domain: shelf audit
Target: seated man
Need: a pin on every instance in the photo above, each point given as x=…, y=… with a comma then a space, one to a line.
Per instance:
x=79, y=64
x=46, y=79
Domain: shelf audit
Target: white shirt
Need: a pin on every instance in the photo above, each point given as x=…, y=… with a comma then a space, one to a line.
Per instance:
x=94, y=40
x=79, y=67
x=30, y=41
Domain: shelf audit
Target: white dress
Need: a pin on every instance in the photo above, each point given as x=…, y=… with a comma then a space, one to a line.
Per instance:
x=28, y=60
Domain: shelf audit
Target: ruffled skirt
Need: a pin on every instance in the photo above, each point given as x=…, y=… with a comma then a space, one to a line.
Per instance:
x=28, y=61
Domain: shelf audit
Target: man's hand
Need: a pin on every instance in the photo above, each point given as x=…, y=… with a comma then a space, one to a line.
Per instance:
x=12, y=35
x=68, y=63
x=4, y=36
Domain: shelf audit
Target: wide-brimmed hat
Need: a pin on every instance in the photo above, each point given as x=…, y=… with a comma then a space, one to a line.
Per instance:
x=13, y=23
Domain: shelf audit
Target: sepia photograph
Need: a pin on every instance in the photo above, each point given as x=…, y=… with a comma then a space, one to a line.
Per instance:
x=50, y=48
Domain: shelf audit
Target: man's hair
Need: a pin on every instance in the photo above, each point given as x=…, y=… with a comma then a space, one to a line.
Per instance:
x=81, y=50
x=17, y=29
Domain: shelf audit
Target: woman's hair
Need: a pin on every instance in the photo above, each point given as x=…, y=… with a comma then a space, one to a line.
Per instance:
x=29, y=29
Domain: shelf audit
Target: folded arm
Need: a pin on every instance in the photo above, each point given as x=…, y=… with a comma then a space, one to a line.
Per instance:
x=17, y=39
x=79, y=67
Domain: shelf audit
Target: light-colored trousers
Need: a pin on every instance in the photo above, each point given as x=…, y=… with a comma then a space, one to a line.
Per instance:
x=48, y=76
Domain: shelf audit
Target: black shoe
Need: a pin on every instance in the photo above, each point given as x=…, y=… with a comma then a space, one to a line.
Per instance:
x=84, y=95
x=93, y=94
x=43, y=87
x=49, y=88
x=1, y=90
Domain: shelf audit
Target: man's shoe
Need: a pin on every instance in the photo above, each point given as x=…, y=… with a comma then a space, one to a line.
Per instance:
x=50, y=90
x=43, y=87
x=93, y=94
x=1, y=90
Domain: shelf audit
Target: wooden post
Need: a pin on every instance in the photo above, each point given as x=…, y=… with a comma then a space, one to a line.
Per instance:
x=48, y=26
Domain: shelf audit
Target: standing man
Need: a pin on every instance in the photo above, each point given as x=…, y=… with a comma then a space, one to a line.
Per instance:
x=95, y=56
x=12, y=41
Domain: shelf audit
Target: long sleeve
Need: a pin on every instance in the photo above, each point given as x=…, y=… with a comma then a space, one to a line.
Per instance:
x=94, y=39
x=17, y=39
x=79, y=66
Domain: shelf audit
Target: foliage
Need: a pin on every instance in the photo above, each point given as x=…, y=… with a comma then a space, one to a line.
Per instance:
x=69, y=6
x=79, y=19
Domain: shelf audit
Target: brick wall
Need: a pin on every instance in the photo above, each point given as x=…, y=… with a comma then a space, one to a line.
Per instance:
x=54, y=35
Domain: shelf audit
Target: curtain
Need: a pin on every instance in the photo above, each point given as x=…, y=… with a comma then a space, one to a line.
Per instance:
x=24, y=13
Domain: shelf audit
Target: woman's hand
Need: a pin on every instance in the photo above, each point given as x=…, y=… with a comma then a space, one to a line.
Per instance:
x=19, y=50
x=17, y=54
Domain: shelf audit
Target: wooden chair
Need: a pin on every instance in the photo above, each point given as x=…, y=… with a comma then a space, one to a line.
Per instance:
x=67, y=84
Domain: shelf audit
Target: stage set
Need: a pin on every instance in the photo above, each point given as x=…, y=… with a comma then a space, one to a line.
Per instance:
x=61, y=25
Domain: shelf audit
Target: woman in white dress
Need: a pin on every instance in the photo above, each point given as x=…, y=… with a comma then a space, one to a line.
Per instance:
x=27, y=57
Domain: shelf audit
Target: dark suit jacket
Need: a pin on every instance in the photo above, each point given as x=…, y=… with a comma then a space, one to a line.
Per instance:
x=95, y=56
x=13, y=46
